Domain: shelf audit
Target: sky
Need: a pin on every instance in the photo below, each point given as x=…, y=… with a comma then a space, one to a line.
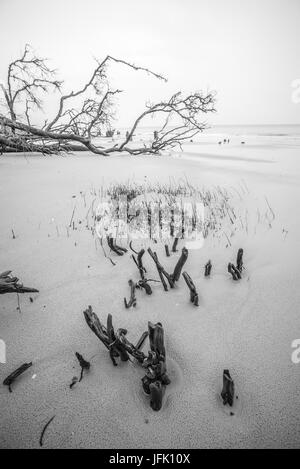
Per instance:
x=248, y=51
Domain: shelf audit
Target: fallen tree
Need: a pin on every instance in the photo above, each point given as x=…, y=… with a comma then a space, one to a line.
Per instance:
x=88, y=113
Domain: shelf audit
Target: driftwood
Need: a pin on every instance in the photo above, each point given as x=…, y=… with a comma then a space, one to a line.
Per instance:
x=156, y=377
x=116, y=343
x=167, y=250
x=141, y=340
x=83, y=364
x=161, y=271
x=44, y=430
x=9, y=284
x=143, y=283
x=239, y=260
x=236, y=275
x=178, y=268
x=207, y=270
x=193, y=292
x=227, y=393
x=15, y=374
x=132, y=301
x=175, y=245
x=114, y=247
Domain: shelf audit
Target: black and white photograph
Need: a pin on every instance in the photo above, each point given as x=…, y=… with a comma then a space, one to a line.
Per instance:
x=149, y=227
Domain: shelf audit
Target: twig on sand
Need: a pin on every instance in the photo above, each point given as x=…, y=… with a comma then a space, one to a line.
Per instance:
x=44, y=430
x=141, y=340
x=15, y=374
x=71, y=221
x=83, y=364
x=167, y=250
x=193, y=292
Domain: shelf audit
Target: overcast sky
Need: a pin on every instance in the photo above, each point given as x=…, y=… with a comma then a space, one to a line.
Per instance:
x=246, y=50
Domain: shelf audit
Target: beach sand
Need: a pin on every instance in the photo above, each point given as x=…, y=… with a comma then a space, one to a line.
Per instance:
x=245, y=326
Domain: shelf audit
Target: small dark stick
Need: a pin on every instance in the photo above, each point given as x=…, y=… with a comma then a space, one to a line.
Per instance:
x=227, y=393
x=141, y=340
x=13, y=233
x=83, y=364
x=239, y=260
x=167, y=250
x=175, y=245
x=193, y=292
x=132, y=301
x=208, y=267
x=14, y=375
x=44, y=429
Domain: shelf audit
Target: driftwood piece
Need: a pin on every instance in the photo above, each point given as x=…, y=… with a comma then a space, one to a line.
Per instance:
x=116, y=343
x=141, y=340
x=174, y=247
x=239, y=260
x=156, y=378
x=15, y=374
x=83, y=364
x=193, y=292
x=161, y=271
x=227, y=393
x=156, y=395
x=114, y=247
x=132, y=300
x=167, y=250
x=181, y=261
x=156, y=339
x=207, y=269
x=10, y=284
x=44, y=430
x=143, y=283
x=236, y=275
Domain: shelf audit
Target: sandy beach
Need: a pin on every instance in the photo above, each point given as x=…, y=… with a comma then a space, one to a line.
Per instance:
x=246, y=326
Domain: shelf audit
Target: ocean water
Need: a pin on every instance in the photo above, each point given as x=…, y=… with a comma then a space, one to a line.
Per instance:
x=234, y=130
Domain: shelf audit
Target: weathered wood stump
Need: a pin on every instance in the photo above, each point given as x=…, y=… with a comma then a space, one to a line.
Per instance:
x=227, y=393
x=239, y=260
x=236, y=275
x=156, y=377
x=194, y=298
x=178, y=268
x=207, y=269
